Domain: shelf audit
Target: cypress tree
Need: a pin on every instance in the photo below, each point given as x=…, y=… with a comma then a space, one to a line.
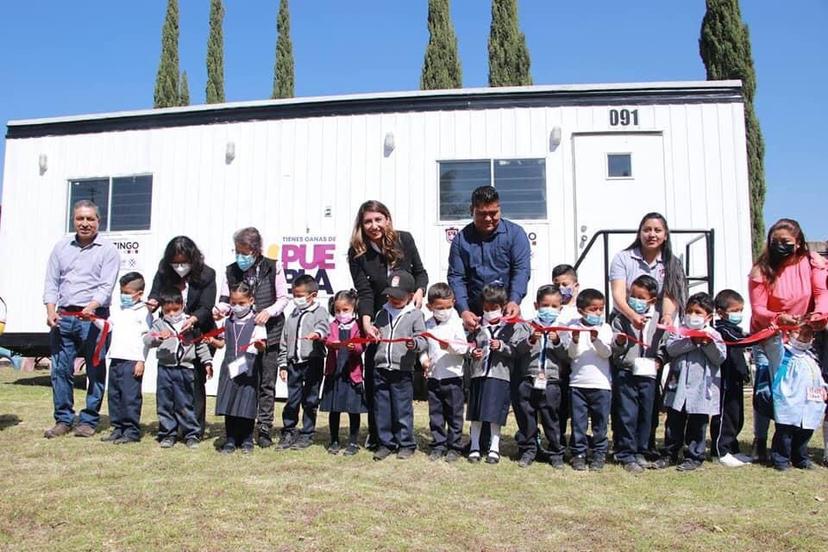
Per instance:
x=215, y=54
x=184, y=91
x=166, y=80
x=283, y=78
x=725, y=49
x=441, y=66
x=509, y=62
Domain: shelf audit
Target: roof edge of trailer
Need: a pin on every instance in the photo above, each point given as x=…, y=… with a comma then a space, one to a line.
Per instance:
x=385, y=102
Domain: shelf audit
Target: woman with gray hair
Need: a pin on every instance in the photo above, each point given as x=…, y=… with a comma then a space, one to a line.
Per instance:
x=270, y=297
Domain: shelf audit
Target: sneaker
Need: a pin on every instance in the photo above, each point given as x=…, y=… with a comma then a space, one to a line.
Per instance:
x=688, y=465
x=334, y=448
x=782, y=467
x=662, y=463
x=84, y=430
x=302, y=442
x=124, y=441
x=825, y=462
x=743, y=458
x=228, y=448
x=263, y=439
x=351, y=449
x=493, y=457
x=113, y=436
x=382, y=453
x=474, y=457
x=759, y=451
x=435, y=455
x=247, y=448
x=642, y=461
x=452, y=456
x=597, y=463
x=60, y=429
x=731, y=461
x=286, y=440
x=167, y=442
x=579, y=463
x=807, y=465
x=192, y=443
x=633, y=467
x=556, y=462
x=405, y=453
x=525, y=461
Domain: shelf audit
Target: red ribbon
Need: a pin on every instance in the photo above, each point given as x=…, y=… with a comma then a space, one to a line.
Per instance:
x=192, y=340
x=99, y=345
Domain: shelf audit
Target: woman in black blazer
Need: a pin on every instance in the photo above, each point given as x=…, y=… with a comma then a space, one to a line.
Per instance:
x=377, y=249
x=183, y=268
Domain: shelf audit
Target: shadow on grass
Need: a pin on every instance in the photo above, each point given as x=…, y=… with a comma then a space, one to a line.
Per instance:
x=46, y=381
x=8, y=420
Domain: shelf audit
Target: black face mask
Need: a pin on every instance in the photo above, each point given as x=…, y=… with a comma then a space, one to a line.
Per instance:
x=782, y=250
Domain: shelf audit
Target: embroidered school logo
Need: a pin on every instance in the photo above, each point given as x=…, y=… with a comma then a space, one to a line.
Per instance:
x=395, y=281
x=451, y=233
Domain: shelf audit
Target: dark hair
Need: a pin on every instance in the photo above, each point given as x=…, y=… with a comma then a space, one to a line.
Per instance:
x=133, y=278
x=181, y=245
x=727, y=297
x=306, y=281
x=484, y=195
x=769, y=266
x=493, y=293
x=243, y=288
x=587, y=296
x=701, y=299
x=564, y=270
x=675, y=286
x=647, y=283
x=548, y=289
x=349, y=295
x=170, y=296
x=440, y=290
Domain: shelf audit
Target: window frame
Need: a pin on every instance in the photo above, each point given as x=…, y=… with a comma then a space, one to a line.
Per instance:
x=607, y=165
x=68, y=227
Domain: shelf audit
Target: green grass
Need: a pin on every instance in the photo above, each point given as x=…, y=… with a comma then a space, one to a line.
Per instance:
x=82, y=494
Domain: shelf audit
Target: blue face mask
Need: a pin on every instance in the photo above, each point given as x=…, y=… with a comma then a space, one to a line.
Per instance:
x=245, y=261
x=734, y=317
x=640, y=306
x=593, y=319
x=547, y=315
x=127, y=301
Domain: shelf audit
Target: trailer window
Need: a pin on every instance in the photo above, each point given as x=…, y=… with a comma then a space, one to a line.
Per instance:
x=124, y=202
x=457, y=181
x=619, y=165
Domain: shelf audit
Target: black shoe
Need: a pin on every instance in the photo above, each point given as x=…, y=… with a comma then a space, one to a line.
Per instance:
x=302, y=442
x=405, y=453
x=167, y=442
x=228, y=448
x=192, y=443
x=782, y=467
x=286, y=440
x=247, y=448
x=382, y=453
x=124, y=441
x=474, y=457
x=633, y=467
x=642, y=461
x=334, y=448
x=263, y=439
x=759, y=451
x=453, y=456
x=556, y=462
x=663, y=462
x=688, y=465
x=579, y=463
x=351, y=449
x=493, y=457
x=525, y=461
x=597, y=464
x=435, y=455
x=807, y=465
x=112, y=437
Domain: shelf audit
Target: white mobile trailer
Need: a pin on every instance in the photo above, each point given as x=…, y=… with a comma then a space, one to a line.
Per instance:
x=569, y=163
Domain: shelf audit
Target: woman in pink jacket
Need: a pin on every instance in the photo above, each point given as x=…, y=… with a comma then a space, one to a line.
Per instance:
x=787, y=286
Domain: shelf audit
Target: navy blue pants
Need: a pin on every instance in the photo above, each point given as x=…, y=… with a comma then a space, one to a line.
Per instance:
x=303, y=383
x=174, y=399
x=725, y=427
x=394, y=408
x=124, y=399
x=445, y=413
x=532, y=404
x=790, y=446
x=589, y=405
x=634, y=401
x=685, y=429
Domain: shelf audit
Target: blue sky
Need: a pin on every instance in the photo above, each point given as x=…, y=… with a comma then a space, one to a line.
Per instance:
x=63, y=58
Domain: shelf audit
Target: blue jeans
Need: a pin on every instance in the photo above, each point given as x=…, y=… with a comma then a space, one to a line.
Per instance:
x=70, y=338
x=767, y=355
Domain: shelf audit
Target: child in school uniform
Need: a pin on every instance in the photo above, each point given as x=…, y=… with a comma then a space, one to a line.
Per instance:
x=344, y=389
x=539, y=387
x=237, y=396
x=726, y=425
x=637, y=360
x=496, y=348
x=590, y=383
x=692, y=392
x=301, y=359
x=394, y=367
x=799, y=395
x=127, y=354
x=176, y=352
x=566, y=278
x=443, y=365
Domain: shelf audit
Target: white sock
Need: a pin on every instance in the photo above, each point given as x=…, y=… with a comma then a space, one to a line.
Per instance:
x=476, y=427
x=825, y=438
x=495, y=430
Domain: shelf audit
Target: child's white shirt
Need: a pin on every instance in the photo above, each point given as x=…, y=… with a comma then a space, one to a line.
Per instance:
x=128, y=327
x=590, y=360
x=447, y=363
x=569, y=312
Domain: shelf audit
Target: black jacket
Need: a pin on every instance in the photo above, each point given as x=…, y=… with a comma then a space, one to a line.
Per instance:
x=201, y=296
x=370, y=273
x=735, y=362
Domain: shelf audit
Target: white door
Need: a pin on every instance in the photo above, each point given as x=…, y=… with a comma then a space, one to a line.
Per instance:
x=619, y=177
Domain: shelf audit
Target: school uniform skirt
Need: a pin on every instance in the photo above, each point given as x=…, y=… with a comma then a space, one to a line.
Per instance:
x=488, y=400
x=237, y=396
x=340, y=394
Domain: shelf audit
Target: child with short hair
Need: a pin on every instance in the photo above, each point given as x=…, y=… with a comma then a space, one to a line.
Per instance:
x=237, y=396
x=566, y=278
x=394, y=367
x=300, y=361
x=127, y=354
x=344, y=389
x=590, y=383
x=443, y=364
x=493, y=358
x=637, y=360
x=799, y=395
x=692, y=393
x=176, y=351
x=727, y=423
x=539, y=386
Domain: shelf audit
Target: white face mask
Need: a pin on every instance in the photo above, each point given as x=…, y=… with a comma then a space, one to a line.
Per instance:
x=441, y=315
x=301, y=302
x=240, y=311
x=695, y=321
x=182, y=269
x=174, y=318
x=492, y=316
x=799, y=346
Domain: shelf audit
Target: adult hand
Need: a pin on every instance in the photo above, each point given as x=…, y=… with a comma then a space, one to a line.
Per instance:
x=89, y=310
x=152, y=304
x=418, y=299
x=218, y=313
x=817, y=321
x=262, y=318
x=191, y=320
x=666, y=319
x=639, y=320
x=52, y=317
x=511, y=310
x=787, y=320
x=470, y=320
x=372, y=332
